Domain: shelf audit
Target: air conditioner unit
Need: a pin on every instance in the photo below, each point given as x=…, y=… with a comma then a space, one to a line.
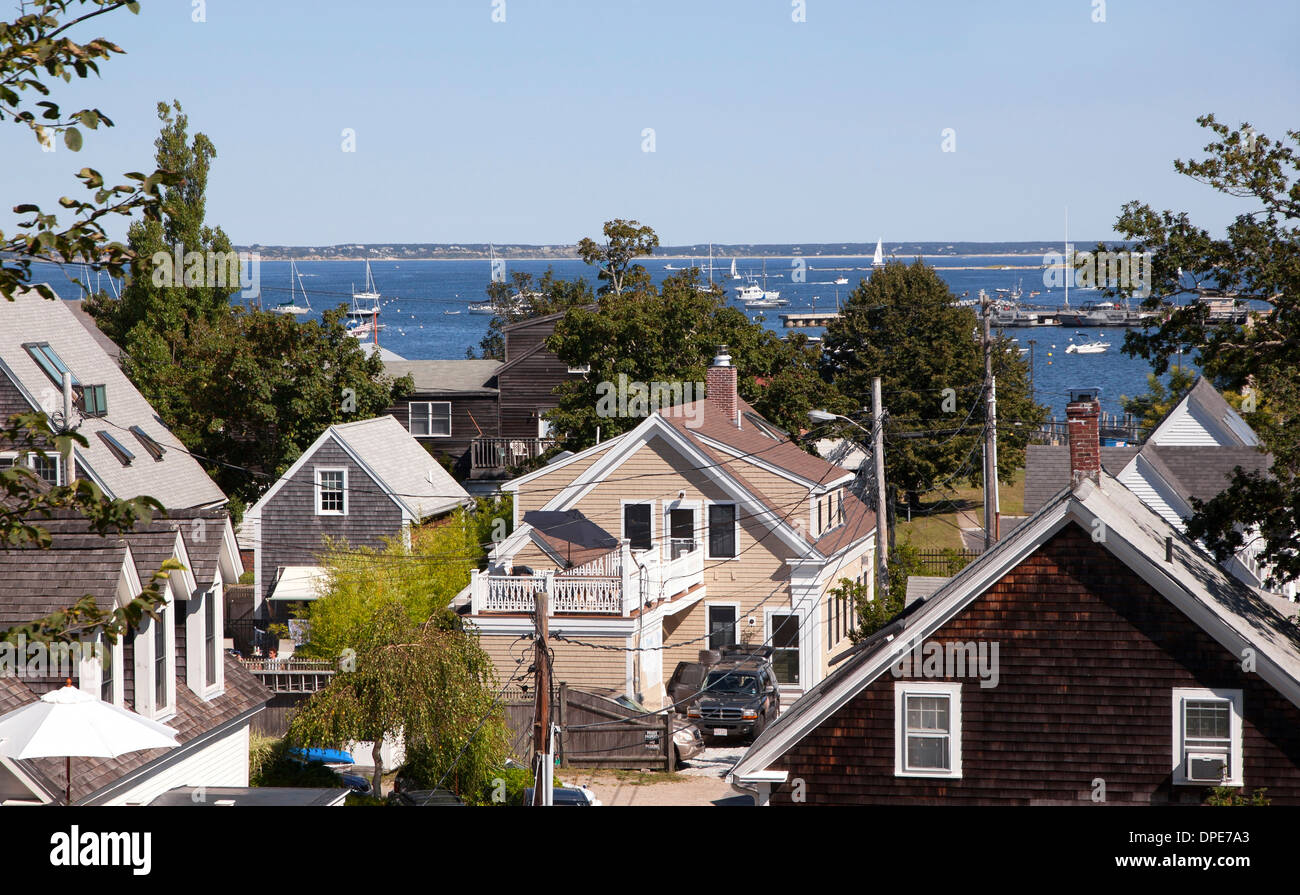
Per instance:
x=1206, y=767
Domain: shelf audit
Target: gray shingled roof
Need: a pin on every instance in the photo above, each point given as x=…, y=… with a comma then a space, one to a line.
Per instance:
x=34, y=583
x=447, y=377
x=392, y=454
x=176, y=480
x=1047, y=470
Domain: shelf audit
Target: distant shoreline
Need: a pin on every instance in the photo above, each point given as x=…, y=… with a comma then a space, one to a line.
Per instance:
x=716, y=259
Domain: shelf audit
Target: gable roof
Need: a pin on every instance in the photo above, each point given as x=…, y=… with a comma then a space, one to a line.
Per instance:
x=447, y=377
x=393, y=459
x=1211, y=413
x=1233, y=614
x=1047, y=470
x=176, y=479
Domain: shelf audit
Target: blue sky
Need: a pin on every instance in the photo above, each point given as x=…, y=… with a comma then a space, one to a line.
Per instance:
x=765, y=129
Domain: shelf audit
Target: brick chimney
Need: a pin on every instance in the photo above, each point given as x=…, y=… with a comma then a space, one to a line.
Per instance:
x=720, y=386
x=1081, y=421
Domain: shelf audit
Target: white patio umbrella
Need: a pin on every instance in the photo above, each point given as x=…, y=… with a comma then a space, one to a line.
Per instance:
x=69, y=722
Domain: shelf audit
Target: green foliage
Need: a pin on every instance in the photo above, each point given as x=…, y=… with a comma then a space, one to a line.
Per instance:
x=1231, y=796
x=242, y=389
x=624, y=241
x=903, y=325
x=1151, y=408
x=420, y=581
x=493, y=520
x=522, y=299
x=671, y=333
x=1258, y=259
x=270, y=764
x=36, y=48
x=429, y=682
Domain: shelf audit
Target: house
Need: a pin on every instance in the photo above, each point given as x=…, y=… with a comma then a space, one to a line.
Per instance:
x=726, y=530
x=362, y=483
x=486, y=416
x=1190, y=455
x=129, y=453
x=1094, y=655
x=173, y=669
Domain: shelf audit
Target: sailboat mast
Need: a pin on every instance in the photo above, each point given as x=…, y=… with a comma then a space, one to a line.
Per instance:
x=1069, y=262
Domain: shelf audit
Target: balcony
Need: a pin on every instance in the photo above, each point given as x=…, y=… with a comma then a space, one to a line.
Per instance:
x=492, y=456
x=613, y=585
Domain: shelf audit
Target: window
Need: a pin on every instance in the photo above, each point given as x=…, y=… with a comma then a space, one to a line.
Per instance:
x=722, y=530
x=430, y=419
x=160, y=661
x=106, y=673
x=331, y=492
x=94, y=400
x=785, y=644
x=1207, y=737
x=47, y=467
x=637, y=525
x=722, y=627
x=8, y=460
x=582, y=369
x=681, y=531
x=49, y=362
x=116, y=448
x=153, y=448
x=927, y=721
x=839, y=512
x=210, y=642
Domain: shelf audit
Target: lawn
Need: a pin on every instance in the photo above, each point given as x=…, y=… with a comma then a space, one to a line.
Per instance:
x=938, y=520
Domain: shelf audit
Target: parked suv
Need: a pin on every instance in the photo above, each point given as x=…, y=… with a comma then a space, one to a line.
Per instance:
x=739, y=695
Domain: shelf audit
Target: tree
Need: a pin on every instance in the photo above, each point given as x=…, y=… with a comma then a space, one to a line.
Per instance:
x=35, y=46
x=904, y=325
x=1150, y=409
x=428, y=682
x=520, y=300
x=245, y=391
x=624, y=241
x=422, y=579
x=1258, y=259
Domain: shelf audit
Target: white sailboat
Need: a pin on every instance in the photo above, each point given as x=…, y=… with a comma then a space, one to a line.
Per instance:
x=878, y=260
x=365, y=304
x=289, y=307
x=734, y=275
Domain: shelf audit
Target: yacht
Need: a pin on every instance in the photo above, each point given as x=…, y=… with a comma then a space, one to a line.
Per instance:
x=1087, y=348
x=290, y=307
x=365, y=304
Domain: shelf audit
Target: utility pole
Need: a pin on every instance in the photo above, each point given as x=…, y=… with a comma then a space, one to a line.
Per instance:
x=543, y=772
x=990, y=430
x=878, y=453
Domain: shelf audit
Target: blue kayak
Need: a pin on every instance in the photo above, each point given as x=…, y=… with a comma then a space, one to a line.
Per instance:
x=326, y=756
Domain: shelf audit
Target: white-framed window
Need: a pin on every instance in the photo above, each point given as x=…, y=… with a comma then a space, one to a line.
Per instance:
x=927, y=729
x=722, y=620
x=331, y=492
x=681, y=523
x=1207, y=748
x=582, y=369
x=8, y=459
x=430, y=419
x=724, y=531
x=783, y=633
x=49, y=467
x=155, y=664
x=638, y=524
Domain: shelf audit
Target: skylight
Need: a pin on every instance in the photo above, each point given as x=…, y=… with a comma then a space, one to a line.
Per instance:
x=153, y=448
x=49, y=361
x=118, y=449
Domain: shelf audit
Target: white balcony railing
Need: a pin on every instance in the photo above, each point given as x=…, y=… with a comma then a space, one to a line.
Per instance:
x=637, y=578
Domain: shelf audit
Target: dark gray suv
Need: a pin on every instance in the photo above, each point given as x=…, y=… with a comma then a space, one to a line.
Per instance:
x=739, y=697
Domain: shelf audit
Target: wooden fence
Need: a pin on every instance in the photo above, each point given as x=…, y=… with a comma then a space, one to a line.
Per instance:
x=595, y=734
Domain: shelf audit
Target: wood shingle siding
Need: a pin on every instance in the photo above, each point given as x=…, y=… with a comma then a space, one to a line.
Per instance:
x=292, y=533
x=1089, y=655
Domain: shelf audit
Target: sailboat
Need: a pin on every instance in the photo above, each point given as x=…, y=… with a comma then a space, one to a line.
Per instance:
x=288, y=307
x=734, y=275
x=878, y=260
x=365, y=304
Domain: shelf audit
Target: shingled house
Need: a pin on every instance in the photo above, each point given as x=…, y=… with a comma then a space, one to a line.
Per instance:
x=726, y=532
x=1191, y=454
x=359, y=483
x=173, y=669
x=486, y=416
x=1094, y=655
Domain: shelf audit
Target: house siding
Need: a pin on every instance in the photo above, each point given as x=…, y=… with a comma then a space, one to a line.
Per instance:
x=583, y=667
x=471, y=416
x=1089, y=657
x=223, y=762
x=291, y=532
x=528, y=391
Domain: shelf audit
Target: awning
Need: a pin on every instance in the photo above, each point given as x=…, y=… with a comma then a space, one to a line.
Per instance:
x=297, y=583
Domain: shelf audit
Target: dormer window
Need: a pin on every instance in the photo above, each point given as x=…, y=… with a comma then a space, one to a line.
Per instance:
x=159, y=660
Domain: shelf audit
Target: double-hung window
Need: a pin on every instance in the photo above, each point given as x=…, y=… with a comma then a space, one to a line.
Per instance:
x=1207, y=737
x=927, y=727
x=160, y=660
x=722, y=531
x=430, y=419
x=637, y=525
x=210, y=641
x=331, y=492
